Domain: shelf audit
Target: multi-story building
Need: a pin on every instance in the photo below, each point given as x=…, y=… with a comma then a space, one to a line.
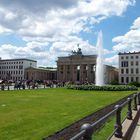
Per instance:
x=129, y=67
x=14, y=69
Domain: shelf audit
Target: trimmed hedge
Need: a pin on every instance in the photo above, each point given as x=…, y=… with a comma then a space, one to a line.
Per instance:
x=137, y=84
x=103, y=88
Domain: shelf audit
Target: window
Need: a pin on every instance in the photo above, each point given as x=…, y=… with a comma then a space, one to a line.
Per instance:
x=68, y=67
x=121, y=64
x=127, y=71
x=20, y=67
x=131, y=57
x=122, y=57
x=137, y=79
x=126, y=57
x=137, y=63
x=132, y=79
x=122, y=71
x=62, y=67
x=137, y=70
x=137, y=57
x=127, y=79
x=131, y=63
x=124, y=63
x=122, y=79
x=132, y=71
x=31, y=64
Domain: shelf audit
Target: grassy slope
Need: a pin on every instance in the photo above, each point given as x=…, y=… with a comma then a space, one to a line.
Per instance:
x=34, y=114
x=108, y=128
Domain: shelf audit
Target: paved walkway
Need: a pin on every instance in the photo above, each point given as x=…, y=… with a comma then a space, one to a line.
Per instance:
x=136, y=134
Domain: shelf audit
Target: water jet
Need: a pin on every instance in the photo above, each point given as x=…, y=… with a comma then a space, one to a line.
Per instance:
x=99, y=75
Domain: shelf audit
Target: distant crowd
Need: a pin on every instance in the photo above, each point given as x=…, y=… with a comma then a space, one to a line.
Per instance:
x=30, y=84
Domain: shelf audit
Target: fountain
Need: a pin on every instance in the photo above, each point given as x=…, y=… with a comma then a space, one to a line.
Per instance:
x=99, y=62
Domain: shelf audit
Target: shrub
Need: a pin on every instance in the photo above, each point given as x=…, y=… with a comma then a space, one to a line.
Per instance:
x=104, y=88
x=137, y=84
x=114, y=82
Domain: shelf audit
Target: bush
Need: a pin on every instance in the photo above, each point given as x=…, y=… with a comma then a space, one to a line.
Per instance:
x=103, y=88
x=137, y=84
x=114, y=83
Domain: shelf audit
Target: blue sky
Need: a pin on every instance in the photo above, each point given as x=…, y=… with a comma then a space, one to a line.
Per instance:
x=46, y=29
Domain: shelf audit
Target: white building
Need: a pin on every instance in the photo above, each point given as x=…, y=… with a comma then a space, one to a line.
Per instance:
x=13, y=69
x=129, y=67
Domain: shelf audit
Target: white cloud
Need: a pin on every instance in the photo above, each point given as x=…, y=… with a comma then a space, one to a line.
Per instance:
x=51, y=27
x=112, y=60
x=63, y=17
x=136, y=24
x=129, y=41
x=71, y=44
x=6, y=50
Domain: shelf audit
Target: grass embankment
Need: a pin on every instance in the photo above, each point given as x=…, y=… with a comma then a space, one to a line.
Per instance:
x=108, y=128
x=34, y=114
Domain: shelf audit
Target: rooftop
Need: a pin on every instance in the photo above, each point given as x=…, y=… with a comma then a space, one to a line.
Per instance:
x=127, y=53
x=20, y=59
x=43, y=68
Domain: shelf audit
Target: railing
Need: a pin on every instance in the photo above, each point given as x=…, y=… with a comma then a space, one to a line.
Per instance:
x=86, y=132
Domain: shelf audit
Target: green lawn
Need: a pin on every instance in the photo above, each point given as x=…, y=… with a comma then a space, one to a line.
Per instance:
x=34, y=114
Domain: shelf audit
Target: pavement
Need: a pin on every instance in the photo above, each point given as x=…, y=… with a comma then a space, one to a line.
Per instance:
x=12, y=87
x=136, y=134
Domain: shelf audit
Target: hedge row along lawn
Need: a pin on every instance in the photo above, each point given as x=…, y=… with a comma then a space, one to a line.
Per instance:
x=35, y=114
x=103, y=88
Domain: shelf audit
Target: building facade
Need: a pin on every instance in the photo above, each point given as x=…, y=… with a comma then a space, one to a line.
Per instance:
x=81, y=68
x=76, y=68
x=111, y=74
x=40, y=74
x=129, y=67
x=14, y=69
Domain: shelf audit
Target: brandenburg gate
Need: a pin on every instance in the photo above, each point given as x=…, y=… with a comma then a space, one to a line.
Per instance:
x=76, y=67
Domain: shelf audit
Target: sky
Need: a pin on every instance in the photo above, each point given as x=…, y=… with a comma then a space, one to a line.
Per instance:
x=44, y=30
